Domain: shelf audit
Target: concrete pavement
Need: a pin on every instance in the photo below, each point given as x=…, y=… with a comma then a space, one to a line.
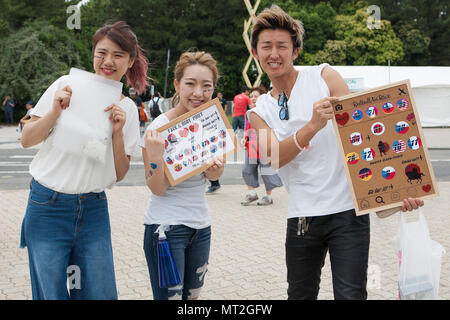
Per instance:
x=247, y=259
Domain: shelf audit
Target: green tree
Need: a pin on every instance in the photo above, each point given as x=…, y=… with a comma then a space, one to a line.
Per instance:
x=423, y=26
x=32, y=59
x=362, y=45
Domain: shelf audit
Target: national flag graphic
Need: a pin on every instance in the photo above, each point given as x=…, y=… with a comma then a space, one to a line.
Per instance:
x=372, y=111
x=402, y=104
x=399, y=146
x=378, y=128
x=352, y=158
x=357, y=115
x=402, y=127
x=414, y=143
x=388, y=107
x=365, y=174
x=356, y=138
x=368, y=154
x=388, y=173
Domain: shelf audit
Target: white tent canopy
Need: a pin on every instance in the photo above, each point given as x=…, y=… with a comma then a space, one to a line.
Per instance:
x=430, y=86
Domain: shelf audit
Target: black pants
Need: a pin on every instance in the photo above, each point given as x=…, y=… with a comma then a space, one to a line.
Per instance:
x=346, y=237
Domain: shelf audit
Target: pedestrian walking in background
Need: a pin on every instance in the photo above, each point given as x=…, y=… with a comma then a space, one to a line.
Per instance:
x=215, y=184
x=294, y=115
x=9, y=105
x=143, y=119
x=155, y=105
x=253, y=162
x=240, y=104
x=67, y=221
x=26, y=117
x=182, y=210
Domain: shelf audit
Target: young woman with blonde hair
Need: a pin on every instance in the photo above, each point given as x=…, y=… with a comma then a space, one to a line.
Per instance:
x=182, y=210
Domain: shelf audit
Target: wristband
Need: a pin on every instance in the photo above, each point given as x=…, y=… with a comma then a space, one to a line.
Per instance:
x=297, y=144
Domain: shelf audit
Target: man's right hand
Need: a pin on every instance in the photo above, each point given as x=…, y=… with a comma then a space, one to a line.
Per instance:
x=322, y=112
x=61, y=100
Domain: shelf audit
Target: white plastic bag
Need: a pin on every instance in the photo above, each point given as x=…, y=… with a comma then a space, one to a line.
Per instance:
x=419, y=260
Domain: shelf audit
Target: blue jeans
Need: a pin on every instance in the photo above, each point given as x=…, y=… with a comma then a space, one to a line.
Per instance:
x=68, y=238
x=190, y=249
x=9, y=118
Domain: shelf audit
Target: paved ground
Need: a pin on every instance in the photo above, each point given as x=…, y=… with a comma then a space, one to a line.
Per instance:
x=247, y=252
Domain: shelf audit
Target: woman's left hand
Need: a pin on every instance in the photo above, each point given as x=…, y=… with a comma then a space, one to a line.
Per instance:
x=118, y=117
x=215, y=171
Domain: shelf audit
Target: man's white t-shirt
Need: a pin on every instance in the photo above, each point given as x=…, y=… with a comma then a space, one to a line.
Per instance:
x=315, y=179
x=72, y=174
x=183, y=204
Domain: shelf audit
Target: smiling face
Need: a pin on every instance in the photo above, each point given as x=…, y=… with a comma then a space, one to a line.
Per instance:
x=110, y=61
x=276, y=52
x=196, y=87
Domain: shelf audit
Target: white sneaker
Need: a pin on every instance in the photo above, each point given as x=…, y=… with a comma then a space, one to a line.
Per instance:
x=265, y=201
x=249, y=198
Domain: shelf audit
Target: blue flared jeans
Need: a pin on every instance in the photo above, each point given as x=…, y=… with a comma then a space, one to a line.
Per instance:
x=68, y=237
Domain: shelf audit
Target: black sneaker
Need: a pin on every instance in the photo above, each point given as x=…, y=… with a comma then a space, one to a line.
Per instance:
x=212, y=189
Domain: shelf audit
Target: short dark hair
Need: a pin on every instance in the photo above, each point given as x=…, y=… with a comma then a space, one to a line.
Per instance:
x=275, y=18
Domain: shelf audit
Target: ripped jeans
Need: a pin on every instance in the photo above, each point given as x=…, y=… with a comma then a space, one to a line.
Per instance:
x=190, y=249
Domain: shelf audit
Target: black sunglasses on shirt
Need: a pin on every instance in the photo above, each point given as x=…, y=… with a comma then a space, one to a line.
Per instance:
x=282, y=102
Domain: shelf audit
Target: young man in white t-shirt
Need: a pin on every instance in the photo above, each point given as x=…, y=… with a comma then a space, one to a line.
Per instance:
x=294, y=132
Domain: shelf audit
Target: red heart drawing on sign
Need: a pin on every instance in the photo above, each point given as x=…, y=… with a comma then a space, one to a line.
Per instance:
x=342, y=118
x=426, y=188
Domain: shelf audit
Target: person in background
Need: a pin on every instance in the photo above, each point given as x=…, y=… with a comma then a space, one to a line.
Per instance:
x=143, y=119
x=155, y=105
x=9, y=105
x=182, y=209
x=215, y=185
x=240, y=104
x=27, y=116
x=253, y=162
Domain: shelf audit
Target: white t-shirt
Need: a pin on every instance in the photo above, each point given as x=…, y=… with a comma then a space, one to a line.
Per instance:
x=315, y=179
x=183, y=204
x=68, y=173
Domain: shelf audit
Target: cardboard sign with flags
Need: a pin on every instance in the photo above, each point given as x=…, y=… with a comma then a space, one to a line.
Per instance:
x=383, y=147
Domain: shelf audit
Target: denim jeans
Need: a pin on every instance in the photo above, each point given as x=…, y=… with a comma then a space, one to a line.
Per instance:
x=346, y=237
x=190, y=249
x=68, y=238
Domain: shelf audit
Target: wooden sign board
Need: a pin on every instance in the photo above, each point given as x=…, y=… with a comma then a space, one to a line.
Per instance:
x=383, y=147
x=193, y=139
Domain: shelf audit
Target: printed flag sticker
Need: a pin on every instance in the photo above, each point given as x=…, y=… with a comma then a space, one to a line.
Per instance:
x=402, y=104
x=402, y=127
x=352, y=158
x=399, y=146
x=372, y=111
x=357, y=115
x=388, y=108
x=365, y=174
x=414, y=143
x=388, y=173
x=356, y=138
x=368, y=154
x=378, y=128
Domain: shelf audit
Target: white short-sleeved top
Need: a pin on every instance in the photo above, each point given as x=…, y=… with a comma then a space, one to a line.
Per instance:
x=183, y=204
x=315, y=179
x=68, y=173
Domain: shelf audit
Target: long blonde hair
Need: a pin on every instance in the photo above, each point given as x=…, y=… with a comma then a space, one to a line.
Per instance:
x=190, y=58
